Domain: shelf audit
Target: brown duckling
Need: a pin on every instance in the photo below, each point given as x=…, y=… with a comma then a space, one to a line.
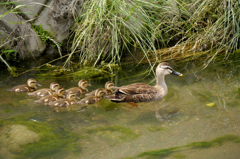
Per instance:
x=69, y=100
x=45, y=91
x=141, y=92
x=81, y=89
x=29, y=87
x=99, y=93
x=50, y=98
x=107, y=90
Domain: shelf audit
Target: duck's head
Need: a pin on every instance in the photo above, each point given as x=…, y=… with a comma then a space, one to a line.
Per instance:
x=109, y=85
x=165, y=68
x=32, y=83
x=60, y=91
x=54, y=86
x=99, y=92
x=71, y=96
x=83, y=83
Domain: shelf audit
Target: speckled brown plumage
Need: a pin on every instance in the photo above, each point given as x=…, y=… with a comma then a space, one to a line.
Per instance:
x=29, y=87
x=81, y=89
x=50, y=98
x=107, y=90
x=45, y=91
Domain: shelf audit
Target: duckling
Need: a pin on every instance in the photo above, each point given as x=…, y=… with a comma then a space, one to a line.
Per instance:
x=99, y=93
x=50, y=98
x=141, y=92
x=107, y=90
x=29, y=87
x=81, y=89
x=45, y=91
x=64, y=102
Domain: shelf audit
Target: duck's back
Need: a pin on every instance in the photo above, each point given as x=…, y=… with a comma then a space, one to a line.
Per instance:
x=41, y=92
x=77, y=90
x=21, y=88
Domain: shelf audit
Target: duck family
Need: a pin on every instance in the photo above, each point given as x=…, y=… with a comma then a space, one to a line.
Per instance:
x=57, y=96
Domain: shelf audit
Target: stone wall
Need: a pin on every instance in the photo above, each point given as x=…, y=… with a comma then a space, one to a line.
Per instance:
x=54, y=16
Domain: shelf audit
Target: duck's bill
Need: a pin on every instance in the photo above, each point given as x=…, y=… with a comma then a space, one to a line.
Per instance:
x=176, y=73
x=38, y=84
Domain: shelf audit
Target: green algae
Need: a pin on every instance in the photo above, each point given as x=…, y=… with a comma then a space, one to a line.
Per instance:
x=53, y=139
x=126, y=133
x=155, y=129
x=155, y=154
x=203, y=144
x=218, y=141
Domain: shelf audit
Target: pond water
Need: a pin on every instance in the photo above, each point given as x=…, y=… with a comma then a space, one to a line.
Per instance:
x=199, y=118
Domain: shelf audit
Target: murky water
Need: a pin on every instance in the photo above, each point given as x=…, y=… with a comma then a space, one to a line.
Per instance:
x=199, y=118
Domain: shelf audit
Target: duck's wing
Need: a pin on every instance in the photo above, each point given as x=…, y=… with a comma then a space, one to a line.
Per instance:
x=41, y=92
x=91, y=93
x=131, y=98
x=89, y=100
x=77, y=90
x=136, y=88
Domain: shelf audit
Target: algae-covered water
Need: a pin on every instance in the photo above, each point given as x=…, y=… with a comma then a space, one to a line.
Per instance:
x=199, y=118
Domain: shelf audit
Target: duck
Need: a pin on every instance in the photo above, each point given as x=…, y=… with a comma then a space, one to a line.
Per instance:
x=107, y=90
x=45, y=91
x=29, y=87
x=81, y=89
x=69, y=100
x=141, y=92
x=99, y=93
x=60, y=92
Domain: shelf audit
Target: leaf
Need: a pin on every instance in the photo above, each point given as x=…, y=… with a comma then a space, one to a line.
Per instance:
x=210, y=104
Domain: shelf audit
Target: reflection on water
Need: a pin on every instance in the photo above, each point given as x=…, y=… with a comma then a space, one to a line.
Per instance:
x=199, y=118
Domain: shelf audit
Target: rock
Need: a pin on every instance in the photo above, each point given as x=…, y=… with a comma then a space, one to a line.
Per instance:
x=12, y=137
x=21, y=36
x=33, y=7
x=57, y=19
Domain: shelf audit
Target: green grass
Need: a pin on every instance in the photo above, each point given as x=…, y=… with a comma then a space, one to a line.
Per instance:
x=179, y=30
x=106, y=28
x=195, y=29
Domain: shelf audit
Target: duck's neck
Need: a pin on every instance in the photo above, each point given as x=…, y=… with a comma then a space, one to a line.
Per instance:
x=161, y=82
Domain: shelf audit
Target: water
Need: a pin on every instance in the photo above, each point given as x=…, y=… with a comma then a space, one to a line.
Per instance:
x=199, y=118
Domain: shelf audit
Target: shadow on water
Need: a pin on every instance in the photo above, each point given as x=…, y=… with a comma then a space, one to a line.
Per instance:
x=199, y=118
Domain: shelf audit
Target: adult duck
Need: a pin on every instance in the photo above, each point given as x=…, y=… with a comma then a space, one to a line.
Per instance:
x=141, y=92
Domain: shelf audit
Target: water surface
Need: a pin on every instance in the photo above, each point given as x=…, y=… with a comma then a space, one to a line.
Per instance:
x=199, y=118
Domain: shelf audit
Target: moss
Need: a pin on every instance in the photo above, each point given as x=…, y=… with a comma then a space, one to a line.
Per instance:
x=128, y=134
x=52, y=138
x=44, y=35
